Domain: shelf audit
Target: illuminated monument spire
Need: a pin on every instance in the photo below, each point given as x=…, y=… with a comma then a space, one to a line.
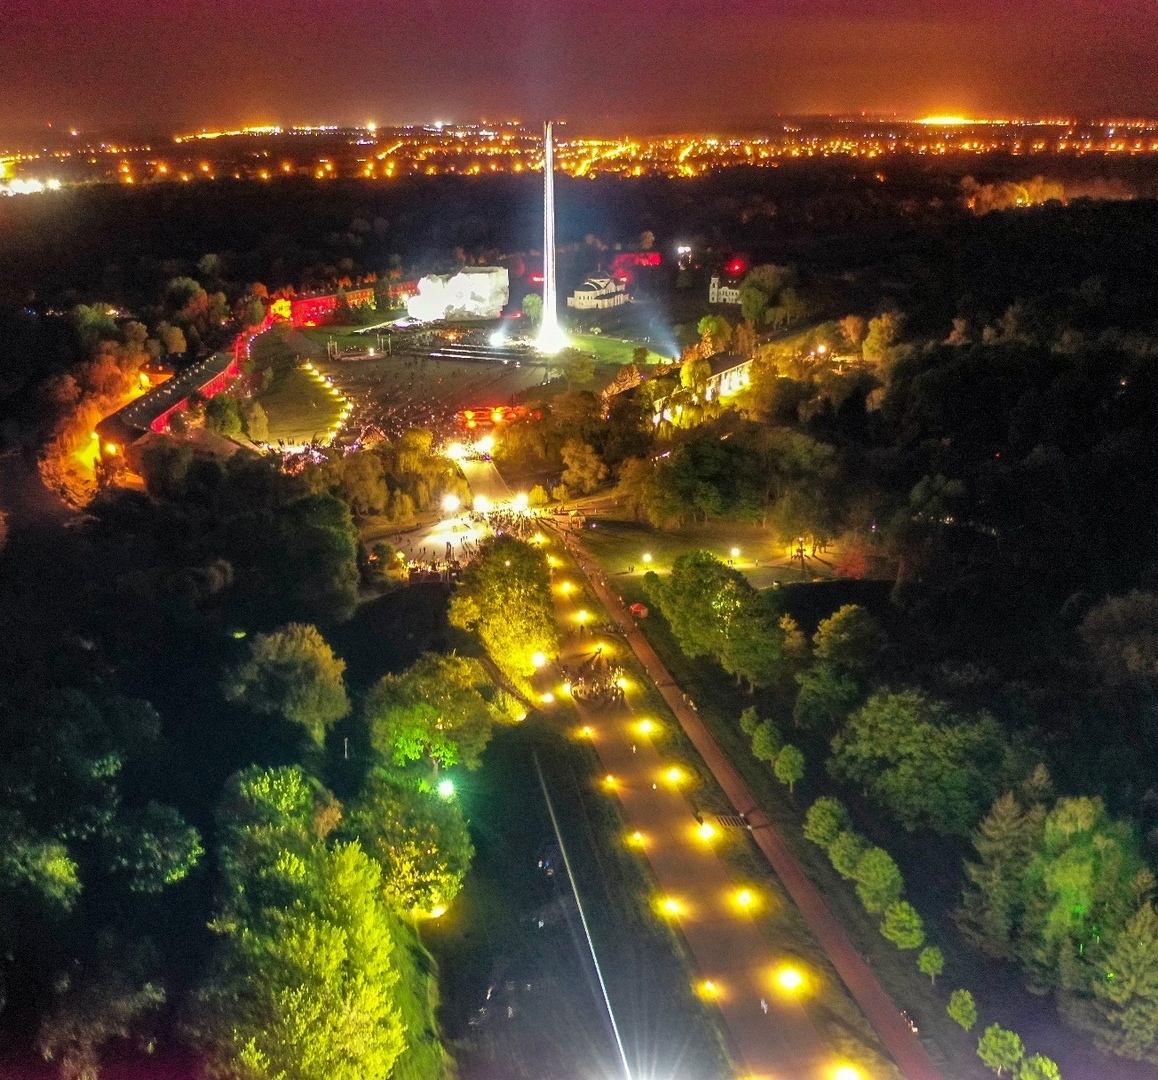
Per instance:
x=551, y=338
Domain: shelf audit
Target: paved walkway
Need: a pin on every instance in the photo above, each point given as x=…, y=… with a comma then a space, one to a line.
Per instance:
x=904, y=1047
x=771, y=1032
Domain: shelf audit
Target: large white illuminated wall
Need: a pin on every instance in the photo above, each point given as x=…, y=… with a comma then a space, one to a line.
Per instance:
x=475, y=292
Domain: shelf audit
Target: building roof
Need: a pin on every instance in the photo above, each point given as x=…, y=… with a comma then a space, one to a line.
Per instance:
x=134, y=419
x=727, y=361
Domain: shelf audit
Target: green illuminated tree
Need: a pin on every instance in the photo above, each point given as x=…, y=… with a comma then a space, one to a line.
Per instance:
x=1126, y=991
x=931, y=962
x=903, y=926
x=850, y=639
x=301, y=985
x=788, y=767
x=293, y=672
x=1038, y=1067
x=878, y=881
x=419, y=838
x=766, y=741
x=825, y=697
x=962, y=1009
x=256, y=422
x=995, y=899
x=825, y=821
x=845, y=853
x=505, y=597
x=532, y=307
x=918, y=760
x=441, y=710
x=1000, y=1050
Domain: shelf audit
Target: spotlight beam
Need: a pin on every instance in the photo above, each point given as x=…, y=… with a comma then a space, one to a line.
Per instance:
x=583, y=919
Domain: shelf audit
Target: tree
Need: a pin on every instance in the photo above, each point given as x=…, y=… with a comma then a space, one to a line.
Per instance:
x=419, y=838
x=824, y=698
x=91, y=1015
x=538, y=496
x=926, y=766
x=882, y=335
x=699, y=598
x=1000, y=1049
x=766, y=742
x=845, y=853
x=223, y=415
x=750, y=721
x=853, y=327
x=293, y=672
x=903, y=926
x=302, y=983
x=789, y=766
x=1038, y=1067
x=878, y=881
x=825, y=821
x=1120, y=637
x=583, y=469
x=993, y=904
x=441, y=709
x=962, y=1009
x=505, y=597
x=532, y=307
x=850, y=639
x=173, y=339
x=256, y=422
x=931, y=962
x=1126, y=991
x=715, y=332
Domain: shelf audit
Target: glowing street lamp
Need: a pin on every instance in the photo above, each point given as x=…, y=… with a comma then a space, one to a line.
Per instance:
x=706, y=831
x=674, y=775
x=847, y=1072
x=438, y=911
x=647, y=556
x=637, y=839
x=520, y=502
x=745, y=899
x=789, y=979
x=735, y=553
x=582, y=616
x=446, y=789
x=538, y=659
x=451, y=503
x=646, y=727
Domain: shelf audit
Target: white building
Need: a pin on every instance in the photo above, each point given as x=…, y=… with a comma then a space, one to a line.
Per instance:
x=598, y=293
x=719, y=293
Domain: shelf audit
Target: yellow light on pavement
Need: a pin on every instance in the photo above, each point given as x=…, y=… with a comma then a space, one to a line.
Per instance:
x=789, y=979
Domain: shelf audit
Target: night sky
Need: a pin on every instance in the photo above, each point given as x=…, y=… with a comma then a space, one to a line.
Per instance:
x=607, y=65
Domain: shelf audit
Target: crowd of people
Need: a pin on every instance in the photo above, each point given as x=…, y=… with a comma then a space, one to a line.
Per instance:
x=596, y=681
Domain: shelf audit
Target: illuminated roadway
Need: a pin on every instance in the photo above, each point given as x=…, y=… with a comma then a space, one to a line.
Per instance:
x=726, y=944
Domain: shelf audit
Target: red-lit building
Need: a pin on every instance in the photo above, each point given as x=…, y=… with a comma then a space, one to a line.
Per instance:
x=316, y=310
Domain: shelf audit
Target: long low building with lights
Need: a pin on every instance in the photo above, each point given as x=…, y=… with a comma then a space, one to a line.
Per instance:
x=152, y=410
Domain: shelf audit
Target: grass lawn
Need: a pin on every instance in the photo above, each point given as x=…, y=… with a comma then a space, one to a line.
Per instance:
x=836, y=1017
x=299, y=407
x=611, y=350
x=621, y=543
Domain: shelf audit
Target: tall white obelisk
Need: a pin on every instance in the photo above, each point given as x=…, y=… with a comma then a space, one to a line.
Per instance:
x=551, y=338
